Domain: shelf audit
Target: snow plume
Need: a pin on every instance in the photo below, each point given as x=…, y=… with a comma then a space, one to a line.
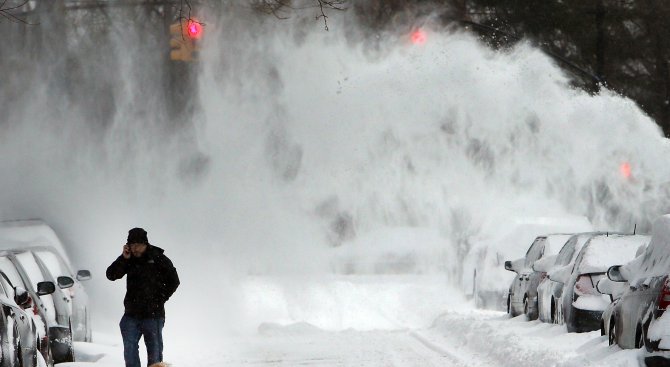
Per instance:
x=301, y=140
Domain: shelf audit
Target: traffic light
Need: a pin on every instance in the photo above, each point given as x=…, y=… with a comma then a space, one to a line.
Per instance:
x=419, y=37
x=185, y=40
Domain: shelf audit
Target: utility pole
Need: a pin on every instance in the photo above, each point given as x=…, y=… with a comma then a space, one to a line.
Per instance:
x=600, y=13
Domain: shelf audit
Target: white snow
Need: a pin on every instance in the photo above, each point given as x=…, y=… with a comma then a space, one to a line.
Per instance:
x=21, y=233
x=400, y=332
x=306, y=141
x=597, y=302
x=604, y=251
x=655, y=261
x=660, y=330
x=395, y=250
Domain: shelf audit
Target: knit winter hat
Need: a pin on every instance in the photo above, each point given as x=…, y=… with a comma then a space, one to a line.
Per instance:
x=137, y=235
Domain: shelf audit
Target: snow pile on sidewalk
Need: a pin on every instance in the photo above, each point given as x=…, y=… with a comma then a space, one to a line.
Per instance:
x=487, y=338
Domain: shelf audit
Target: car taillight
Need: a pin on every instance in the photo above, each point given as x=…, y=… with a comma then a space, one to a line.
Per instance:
x=664, y=296
x=586, y=284
x=35, y=310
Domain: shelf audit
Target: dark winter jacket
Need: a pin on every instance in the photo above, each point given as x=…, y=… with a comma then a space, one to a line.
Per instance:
x=151, y=280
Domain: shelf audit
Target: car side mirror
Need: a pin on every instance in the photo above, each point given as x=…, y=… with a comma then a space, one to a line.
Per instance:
x=604, y=286
x=83, y=275
x=515, y=265
x=44, y=288
x=614, y=274
x=65, y=282
x=508, y=266
x=544, y=264
x=22, y=298
x=560, y=275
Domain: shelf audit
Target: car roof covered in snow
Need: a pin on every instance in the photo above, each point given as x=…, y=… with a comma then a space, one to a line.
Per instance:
x=655, y=260
x=16, y=234
x=513, y=240
x=606, y=250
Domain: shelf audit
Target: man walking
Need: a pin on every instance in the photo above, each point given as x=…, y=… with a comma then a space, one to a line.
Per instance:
x=151, y=280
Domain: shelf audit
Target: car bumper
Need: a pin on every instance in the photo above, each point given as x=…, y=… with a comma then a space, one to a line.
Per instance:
x=584, y=320
x=657, y=361
x=60, y=341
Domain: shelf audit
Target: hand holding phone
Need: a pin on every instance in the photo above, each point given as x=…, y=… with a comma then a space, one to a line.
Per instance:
x=126, y=252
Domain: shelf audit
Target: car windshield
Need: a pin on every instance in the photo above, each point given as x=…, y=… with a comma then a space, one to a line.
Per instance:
x=53, y=263
x=29, y=264
x=11, y=272
x=535, y=251
x=7, y=287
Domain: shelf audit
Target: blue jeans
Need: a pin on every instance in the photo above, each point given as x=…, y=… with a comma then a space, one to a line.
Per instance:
x=131, y=331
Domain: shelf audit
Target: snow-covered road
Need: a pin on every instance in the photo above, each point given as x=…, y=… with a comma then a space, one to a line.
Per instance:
x=468, y=339
x=382, y=321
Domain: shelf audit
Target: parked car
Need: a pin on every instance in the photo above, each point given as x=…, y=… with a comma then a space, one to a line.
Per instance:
x=522, y=296
x=614, y=290
x=17, y=310
x=53, y=263
x=581, y=304
x=639, y=317
x=484, y=275
x=550, y=291
x=60, y=332
x=43, y=311
x=50, y=253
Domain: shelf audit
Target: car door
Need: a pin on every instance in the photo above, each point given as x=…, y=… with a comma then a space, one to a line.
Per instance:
x=29, y=269
x=535, y=252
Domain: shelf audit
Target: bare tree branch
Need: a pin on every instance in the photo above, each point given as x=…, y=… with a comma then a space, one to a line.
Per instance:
x=5, y=12
x=335, y=5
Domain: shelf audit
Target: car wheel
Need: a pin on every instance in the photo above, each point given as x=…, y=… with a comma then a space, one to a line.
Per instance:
x=648, y=344
x=553, y=311
x=531, y=314
x=19, y=355
x=526, y=308
x=509, y=306
x=70, y=354
x=16, y=347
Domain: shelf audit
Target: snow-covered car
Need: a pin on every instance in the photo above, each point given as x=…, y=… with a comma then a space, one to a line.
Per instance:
x=484, y=276
x=42, y=307
x=640, y=318
x=522, y=297
x=614, y=290
x=52, y=262
x=581, y=305
x=550, y=291
x=60, y=328
x=52, y=258
x=22, y=335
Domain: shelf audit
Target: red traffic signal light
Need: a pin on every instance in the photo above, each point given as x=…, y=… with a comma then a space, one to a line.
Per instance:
x=194, y=29
x=419, y=37
x=626, y=170
x=185, y=41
